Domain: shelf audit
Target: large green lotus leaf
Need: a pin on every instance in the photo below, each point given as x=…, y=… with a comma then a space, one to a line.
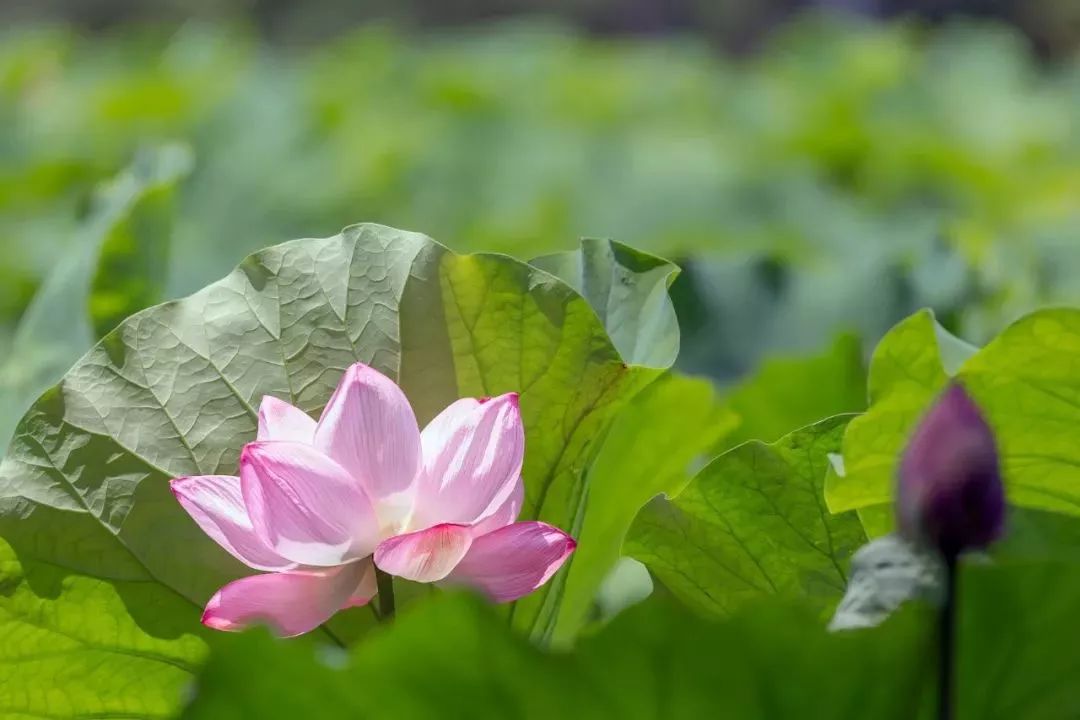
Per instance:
x=455, y=658
x=98, y=556
x=116, y=266
x=752, y=523
x=650, y=448
x=1023, y=380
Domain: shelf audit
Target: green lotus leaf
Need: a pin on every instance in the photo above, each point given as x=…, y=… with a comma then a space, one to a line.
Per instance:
x=102, y=574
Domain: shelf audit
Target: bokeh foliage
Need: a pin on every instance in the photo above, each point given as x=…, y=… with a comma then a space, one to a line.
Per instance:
x=843, y=177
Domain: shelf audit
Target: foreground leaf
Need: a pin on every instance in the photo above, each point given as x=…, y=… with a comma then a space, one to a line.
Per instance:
x=752, y=523
x=172, y=391
x=1016, y=660
x=455, y=658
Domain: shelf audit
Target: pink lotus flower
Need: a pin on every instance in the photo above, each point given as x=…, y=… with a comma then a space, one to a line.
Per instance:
x=320, y=505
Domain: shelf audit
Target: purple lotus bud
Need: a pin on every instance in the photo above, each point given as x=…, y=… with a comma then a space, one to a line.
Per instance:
x=950, y=494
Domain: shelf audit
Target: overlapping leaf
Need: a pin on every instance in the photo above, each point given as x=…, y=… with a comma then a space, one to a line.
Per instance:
x=453, y=658
x=752, y=523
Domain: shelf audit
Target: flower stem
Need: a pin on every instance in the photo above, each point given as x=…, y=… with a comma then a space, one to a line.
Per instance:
x=385, y=583
x=947, y=641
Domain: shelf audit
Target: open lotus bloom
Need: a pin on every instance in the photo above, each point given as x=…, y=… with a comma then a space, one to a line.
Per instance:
x=319, y=505
x=950, y=494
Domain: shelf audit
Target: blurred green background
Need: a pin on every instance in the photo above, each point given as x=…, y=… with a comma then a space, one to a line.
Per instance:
x=816, y=168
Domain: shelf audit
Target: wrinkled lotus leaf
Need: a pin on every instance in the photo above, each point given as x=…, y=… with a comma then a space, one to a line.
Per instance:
x=103, y=576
